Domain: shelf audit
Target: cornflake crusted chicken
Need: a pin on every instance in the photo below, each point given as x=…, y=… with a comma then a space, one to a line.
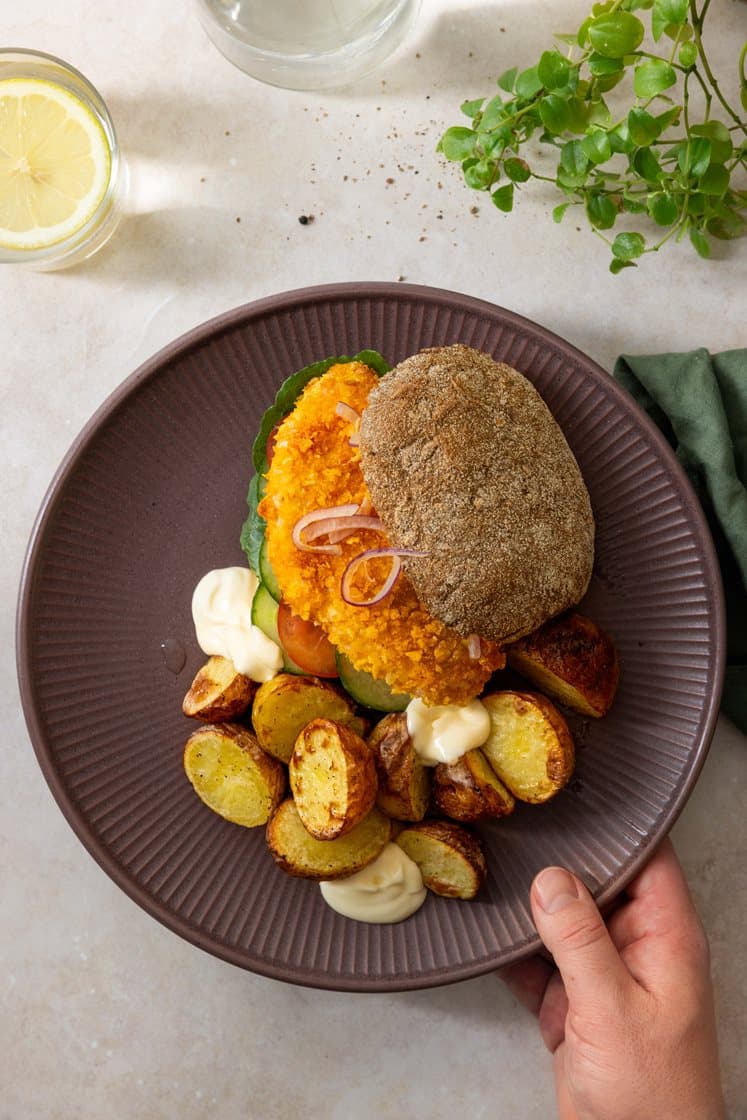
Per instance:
x=396, y=640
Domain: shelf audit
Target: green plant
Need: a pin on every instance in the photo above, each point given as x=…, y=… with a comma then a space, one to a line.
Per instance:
x=669, y=160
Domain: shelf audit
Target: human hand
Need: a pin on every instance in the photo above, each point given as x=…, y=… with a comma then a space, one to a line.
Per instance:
x=627, y=1012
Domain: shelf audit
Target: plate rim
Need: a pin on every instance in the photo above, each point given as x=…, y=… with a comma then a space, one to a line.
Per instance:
x=179, y=347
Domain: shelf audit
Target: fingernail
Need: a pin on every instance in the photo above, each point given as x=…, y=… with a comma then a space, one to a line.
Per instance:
x=555, y=889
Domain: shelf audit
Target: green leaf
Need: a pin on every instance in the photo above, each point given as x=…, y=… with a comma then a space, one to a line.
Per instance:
x=559, y=211
x=458, y=143
x=668, y=117
x=687, y=55
x=617, y=265
x=517, y=170
x=665, y=13
x=507, y=79
x=700, y=242
x=600, y=66
x=643, y=129
x=492, y=115
x=553, y=70
x=633, y=205
x=616, y=34
x=653, y=77
x=479, y=173
x=503, y=198
x=528, y=84
x=721, y=143
x=693, y=156
x=647, y=165
x=663, y=209
x=472, y=108
x=714, y=180
x=726, y=224
x=573, y=158
x=601, y=211
x=583, y=32
x=620, y=140
x=597, y=147
x=555, y=113
x=626, y=246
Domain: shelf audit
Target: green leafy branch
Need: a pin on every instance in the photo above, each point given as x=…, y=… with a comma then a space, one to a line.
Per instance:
x=660, y=158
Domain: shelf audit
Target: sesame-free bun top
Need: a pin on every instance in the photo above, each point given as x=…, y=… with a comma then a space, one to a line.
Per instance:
x=464, y=461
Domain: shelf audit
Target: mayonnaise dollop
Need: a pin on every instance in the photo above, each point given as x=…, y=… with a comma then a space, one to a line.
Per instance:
x=444, y=732
x=222, y=613
x=388, y=890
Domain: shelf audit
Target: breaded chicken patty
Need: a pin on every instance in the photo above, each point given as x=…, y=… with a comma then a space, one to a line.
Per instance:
x=464, y=461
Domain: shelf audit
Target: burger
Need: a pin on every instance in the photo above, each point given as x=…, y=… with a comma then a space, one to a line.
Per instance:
x=409, y=524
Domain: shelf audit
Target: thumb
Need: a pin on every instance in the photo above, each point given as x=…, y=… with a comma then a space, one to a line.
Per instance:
x=573, y=930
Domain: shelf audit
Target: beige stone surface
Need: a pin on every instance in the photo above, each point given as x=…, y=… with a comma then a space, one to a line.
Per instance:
x=103, y=1012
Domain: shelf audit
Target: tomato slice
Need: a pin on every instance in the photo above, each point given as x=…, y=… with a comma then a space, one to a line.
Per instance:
x=306, y=643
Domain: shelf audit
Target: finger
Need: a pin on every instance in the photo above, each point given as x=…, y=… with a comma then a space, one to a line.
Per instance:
x=527, y=980
x=569, y=923
x=553, y=1013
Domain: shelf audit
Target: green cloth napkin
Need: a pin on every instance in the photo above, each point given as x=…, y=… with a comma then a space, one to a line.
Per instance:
x=699, y=401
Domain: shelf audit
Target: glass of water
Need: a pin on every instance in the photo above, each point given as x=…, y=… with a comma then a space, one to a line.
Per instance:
x=306, y=44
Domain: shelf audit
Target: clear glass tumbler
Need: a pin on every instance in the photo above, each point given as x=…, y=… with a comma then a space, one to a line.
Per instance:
x=62, y=175
x=306, y=44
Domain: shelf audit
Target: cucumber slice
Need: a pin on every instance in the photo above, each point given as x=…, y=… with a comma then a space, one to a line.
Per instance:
x=265, y=616
x=366, y=690
x=267, y=575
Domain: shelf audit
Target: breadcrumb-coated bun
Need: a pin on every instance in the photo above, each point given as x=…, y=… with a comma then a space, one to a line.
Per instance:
x=464, y=460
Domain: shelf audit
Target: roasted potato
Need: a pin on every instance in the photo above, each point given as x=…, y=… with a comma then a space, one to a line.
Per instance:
x=404, y=782
x=232, y=774
x=571, y=659
x=284, y=705
x=530, y=745
x=332, y=777
x=470, y=790
x=299, y=853
x=218, y=692
x=451, y=860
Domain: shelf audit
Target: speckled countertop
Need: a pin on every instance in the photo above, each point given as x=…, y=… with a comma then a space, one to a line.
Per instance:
x=105, y=1012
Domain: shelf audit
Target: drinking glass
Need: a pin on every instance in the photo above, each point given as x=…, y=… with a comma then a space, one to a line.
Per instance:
x=77, y=136
x=306, y=44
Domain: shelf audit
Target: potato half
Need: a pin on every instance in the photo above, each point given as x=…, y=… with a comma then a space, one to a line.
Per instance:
x=530, y=745
x=232, y=775
x=572, y=660
x=451, y=860
x=218, y=692
x=333, y=778
x=299, y=853
x=404, y=782
x=284, y=705
x=470, y=790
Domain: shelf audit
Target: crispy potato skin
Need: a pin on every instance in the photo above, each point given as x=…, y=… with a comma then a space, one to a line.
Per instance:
x=232, y=775
x=332, y=778
x=573, y=660
x=218, y=692
x=404, y=782
x=299, y=853
x=530, y=745
x=284, y=705
x=470, y=790
x=451, y=859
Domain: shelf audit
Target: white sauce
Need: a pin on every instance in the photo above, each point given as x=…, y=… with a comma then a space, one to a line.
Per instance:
x=444, y=732
x=388, y=890
x=222, y=613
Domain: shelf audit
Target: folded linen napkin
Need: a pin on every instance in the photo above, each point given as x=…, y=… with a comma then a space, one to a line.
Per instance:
x=699, y=401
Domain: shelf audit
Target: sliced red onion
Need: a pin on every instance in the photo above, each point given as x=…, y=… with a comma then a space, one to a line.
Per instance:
x=389, y=582
x=297, y=535
x=348, y=412
x=474, y=647
x=340, y=527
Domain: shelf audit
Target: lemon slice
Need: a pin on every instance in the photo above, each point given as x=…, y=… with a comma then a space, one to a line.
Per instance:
x=55, y=163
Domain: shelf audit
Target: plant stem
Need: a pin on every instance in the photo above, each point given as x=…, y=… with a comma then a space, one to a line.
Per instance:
x=697, y=22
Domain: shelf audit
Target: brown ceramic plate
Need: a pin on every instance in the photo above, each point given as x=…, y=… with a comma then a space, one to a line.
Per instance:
x=152, y=495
